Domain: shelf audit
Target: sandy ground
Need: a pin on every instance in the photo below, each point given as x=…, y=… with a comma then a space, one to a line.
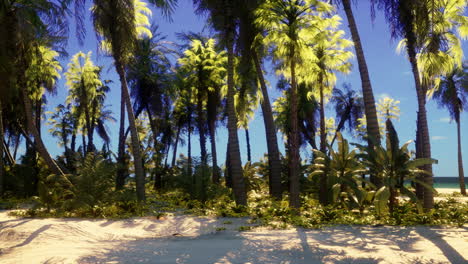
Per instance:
x=187, y=239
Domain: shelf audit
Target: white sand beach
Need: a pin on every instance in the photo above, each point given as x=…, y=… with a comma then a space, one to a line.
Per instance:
x=187, y=239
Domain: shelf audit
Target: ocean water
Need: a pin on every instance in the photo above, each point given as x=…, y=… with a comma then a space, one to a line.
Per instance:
x=447, y=182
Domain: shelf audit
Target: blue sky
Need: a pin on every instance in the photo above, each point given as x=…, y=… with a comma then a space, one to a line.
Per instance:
x=390, y=75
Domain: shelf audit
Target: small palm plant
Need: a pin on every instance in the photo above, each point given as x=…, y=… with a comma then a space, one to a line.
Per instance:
x=393, y=165
x=343, y=171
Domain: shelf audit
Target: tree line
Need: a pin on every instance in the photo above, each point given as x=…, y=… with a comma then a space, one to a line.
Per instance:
x=220, y=79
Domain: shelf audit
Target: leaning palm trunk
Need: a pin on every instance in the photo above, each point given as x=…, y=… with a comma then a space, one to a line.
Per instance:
x=367, y=93
x=1, y=150
x=294, y=180
x=37, y=139
x=423, y=148
x=138, y=163
x=461, y=174
x=121, y=171
x=234, y=152
x=274, y=161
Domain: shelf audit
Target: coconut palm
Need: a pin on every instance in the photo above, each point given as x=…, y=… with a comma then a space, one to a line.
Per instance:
x=402, y=18
x=118, y=25
x=40, y=76
x=329, y=57
x=205, y=68
x=224, y=21
x=84, y=85
x=452, y=95
x=289, y=25
x=252, y=52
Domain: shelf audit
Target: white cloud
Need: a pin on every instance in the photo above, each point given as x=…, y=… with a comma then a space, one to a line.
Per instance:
x=438, y=138
x=445, y=119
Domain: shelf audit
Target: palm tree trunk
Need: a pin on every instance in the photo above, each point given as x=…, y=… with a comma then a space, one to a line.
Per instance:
x=461, y=174
x=323, y=195
x=37, y=115
x=424, y=150
x=238, y=183
x=370, y=110
x=175, y=145
x=121, y=171
x=6, y=150
x=274, y=161
x=1, y=151
x=247, y=139
x=37, y=139
x=294, y=169
x=368, y=94
x=214, y=155
x=227, y=173
x=201, y=130
x=138, y=164
x=341, y=124
x=189, y=147
x=89, y=147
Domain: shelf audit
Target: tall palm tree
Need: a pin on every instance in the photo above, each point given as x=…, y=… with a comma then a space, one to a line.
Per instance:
x=206, y=70
x=118, y=25
x=402, y=18
x=40, y=76
x=329, y=56
x=452, y=95
x=287, y=23
x=251, y=52
x=84, y=85
x=426, y=27
x=224, y=21
x=149, y=75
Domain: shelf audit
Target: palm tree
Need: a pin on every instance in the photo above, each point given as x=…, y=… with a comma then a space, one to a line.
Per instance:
x=367, y=92
x=402, y=18
x=251, y=52
x=118, y=25
x=223, y=20
x=61, y=127
x=246, y=103
x=184, y=105
x=84, y=85
x=329, y=56
x=149, y=76
x=287, y=24
x=349, y=108
x=40, y=76
x=205, y=68
x=452, y=95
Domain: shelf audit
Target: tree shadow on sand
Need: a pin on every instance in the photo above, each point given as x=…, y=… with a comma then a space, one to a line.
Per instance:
x=223, y=247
